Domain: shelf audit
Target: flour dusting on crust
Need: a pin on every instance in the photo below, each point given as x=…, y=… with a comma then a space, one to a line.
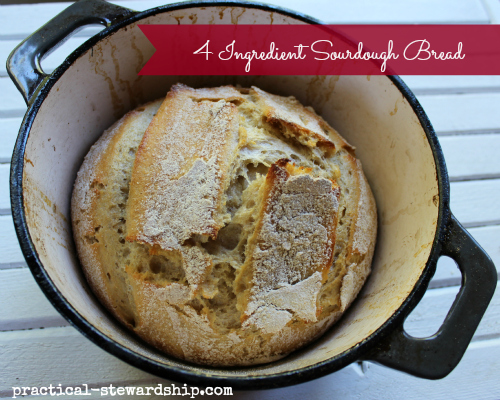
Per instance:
x=293, y=241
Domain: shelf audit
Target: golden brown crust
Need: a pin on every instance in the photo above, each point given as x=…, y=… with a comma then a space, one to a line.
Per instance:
x=234, y=255
x=90, y=220
x=361, y=241
x=298, y=121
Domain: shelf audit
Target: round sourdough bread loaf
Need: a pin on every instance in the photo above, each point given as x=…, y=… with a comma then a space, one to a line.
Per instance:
x=225, y=226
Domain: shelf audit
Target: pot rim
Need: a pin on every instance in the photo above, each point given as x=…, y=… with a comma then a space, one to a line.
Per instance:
x=263, y=381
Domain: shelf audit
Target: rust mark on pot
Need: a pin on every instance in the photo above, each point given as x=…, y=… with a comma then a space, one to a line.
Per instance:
x=435, y=199
x=62, y=217
x=45, y=199
x=178, y=19
x=99, y=61
x=116, y=64
x=407, y=152
x=271, y=16
x=312, y=90
x=381, y=291
x=368, y=77
x=235, y=16
x=137, y=92
x=29, y=161
x=417, y=234
x=32, y=196
x=193, y=18
x=408, y=210
x=316, y=94
x=113, y=75
x=422, y=248
x=392, y=113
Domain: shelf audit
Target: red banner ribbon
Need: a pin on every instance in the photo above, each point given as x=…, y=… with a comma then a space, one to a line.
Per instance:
x=323, y=49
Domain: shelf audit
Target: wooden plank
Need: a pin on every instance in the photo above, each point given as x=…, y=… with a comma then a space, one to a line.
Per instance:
x=472, y=156
x=492, y=8
x=12, y=265
x=9, y=246
x=428, y=316
x=61, y=355
x=474, y=112
x=12, y=104
x=6, y=47
x=18, y=21
x=476, y=377
x=474, y=202
x=4, y=189
x=8, y=135
x=488, y=238
x=390, y=11
x=446, y=84
x=27, y=308
x=447, y=272
x=33, y=358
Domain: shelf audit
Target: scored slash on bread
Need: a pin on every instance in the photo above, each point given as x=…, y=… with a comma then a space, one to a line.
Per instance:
x=182, y=166
x=292, y=247
x=229, y=229
x=298, y=121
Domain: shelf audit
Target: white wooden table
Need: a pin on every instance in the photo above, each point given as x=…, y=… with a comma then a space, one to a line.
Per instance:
x=38, y=347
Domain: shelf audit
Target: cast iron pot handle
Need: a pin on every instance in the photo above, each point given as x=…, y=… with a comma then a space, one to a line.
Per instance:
x=436, y=356
x=23, y=63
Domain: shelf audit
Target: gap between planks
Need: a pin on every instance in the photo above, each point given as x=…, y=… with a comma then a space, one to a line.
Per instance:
x=462, y=113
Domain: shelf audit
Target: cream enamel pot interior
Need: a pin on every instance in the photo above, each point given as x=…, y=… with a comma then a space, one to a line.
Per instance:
x=98, y=83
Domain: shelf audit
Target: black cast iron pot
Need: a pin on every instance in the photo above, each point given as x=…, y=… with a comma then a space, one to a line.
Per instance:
x=401, y=155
